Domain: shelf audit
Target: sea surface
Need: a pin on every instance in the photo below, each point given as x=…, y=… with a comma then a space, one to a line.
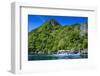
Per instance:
x=55, y=57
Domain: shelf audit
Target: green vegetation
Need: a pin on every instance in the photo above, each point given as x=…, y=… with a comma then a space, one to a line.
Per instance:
x=51, y=37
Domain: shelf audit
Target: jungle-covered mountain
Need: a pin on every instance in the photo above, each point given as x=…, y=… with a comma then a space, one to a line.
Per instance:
x=51, y=36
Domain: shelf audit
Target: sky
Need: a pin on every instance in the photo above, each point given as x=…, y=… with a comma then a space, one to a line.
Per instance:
x=34, y=21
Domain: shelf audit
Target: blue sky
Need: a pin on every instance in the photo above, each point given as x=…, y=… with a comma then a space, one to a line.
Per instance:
x=35, y=21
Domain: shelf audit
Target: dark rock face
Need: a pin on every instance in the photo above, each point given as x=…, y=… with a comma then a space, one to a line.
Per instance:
x=53, y=22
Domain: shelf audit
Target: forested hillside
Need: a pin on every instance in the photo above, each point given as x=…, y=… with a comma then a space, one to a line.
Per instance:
x=51, y=36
